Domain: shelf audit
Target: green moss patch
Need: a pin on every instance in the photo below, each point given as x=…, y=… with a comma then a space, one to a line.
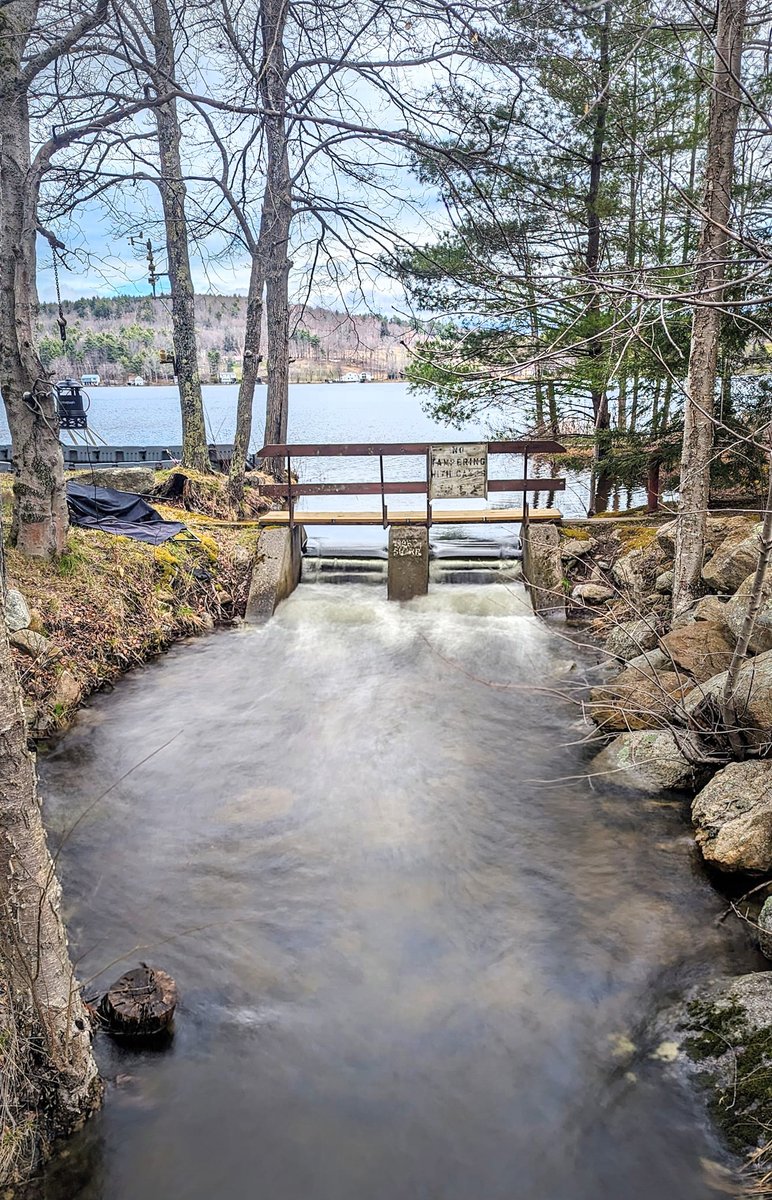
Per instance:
x=740, y=1077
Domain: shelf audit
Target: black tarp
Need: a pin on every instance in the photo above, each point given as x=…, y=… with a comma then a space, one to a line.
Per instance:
x=118, y=512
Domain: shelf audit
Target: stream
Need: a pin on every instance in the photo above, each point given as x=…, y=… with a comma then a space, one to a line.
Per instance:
x=418, y=954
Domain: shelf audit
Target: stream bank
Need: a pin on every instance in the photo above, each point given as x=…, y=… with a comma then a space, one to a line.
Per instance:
x=110, y=603
x=658, y=726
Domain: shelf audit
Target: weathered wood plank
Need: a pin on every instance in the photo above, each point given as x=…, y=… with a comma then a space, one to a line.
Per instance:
x=411, y=488
x=479, y=516
x=370, y=449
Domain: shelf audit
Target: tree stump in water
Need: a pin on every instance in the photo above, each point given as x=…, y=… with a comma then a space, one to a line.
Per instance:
x=139, y=1004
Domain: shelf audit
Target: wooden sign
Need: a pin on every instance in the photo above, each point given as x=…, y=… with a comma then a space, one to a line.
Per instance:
x=458, y=470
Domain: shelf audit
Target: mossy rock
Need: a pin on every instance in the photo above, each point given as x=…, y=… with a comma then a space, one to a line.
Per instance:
x=724, y=1031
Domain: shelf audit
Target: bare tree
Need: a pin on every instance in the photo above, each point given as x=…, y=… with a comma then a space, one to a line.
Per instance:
x=171, y=184
x=40, y=508
x=710, y=274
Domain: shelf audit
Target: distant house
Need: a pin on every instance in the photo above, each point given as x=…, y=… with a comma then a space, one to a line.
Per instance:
x=137, y=381
x=90, y=380
x=356, y=377
x=228, y=377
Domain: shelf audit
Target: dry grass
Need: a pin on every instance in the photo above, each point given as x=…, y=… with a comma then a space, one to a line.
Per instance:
x=18, y=1128
x=110, y=603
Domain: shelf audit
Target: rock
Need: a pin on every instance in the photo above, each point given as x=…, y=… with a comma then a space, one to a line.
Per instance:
x=655, y=659
x=647, y=760
x=664, y=582
x=732, y=562
x=732, y=817
x=636, y=571
x=765, y=928
x=723, y=1031
x=752, y=700
x=710, y=608
x=68, y=692
x=17, y=615
x=716, y=530
x=703, y=648
x=576, y=547
x=631, y=638
x=736, y=607
x=31, y=643
x=243, y=556
x=639, y=698
x=592, y=593
x=140, y=480
x=36, y=621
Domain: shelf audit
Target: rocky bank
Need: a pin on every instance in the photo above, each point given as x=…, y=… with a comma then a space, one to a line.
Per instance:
x=660, y=724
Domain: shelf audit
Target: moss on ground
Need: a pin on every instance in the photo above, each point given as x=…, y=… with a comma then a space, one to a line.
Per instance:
x=636, y=537
x=740, y=1099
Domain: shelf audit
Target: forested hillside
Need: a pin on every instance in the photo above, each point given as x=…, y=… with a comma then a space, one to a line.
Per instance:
x=122, y=337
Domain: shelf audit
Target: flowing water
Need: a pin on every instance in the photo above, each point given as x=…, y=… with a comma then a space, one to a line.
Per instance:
x=418, y=953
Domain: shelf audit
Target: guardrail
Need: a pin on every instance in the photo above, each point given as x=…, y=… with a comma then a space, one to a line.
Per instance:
x=290, y=490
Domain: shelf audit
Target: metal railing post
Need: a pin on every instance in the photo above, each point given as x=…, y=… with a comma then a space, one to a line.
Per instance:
x=428, y=487
x=383, y=495
x=289, y=493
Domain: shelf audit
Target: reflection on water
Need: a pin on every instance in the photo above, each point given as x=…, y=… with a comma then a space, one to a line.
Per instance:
x=408, y=968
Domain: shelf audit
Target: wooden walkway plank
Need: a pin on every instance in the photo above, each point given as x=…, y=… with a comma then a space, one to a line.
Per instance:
x=463, y=516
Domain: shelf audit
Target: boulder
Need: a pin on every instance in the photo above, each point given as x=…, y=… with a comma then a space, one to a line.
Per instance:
x=68, y=691
x=17, y=615
x=139, y=480
x=576, y=547
x=722, y=1032
x=31, y=643
x=656, y=659
x=732, y=817
x=639, y=698
x=637, y=571
x=765, y=928
x=664, y=582
x=716, y=530
x=736, y=607
x=710, y=608
x=592, y=593
x=732, y=562
x=752, y=699
x=647, y=760
x=631, y=638
x=703, y=649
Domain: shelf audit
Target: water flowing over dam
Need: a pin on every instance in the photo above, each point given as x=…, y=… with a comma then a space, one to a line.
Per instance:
x=418, y=953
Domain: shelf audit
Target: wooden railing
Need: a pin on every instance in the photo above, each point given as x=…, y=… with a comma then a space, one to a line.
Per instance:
x=289, y=490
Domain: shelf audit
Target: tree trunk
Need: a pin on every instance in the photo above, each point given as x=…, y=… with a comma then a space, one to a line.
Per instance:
x=39, y=996
x=599, y=397
x=39, y=525
x=171, y=184
x=710, y=272
x=250, y=371
x=552, y=409
x=278, y=216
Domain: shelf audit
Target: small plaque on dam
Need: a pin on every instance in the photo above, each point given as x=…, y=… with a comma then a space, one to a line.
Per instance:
x=408, y=561
x=458, y=470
